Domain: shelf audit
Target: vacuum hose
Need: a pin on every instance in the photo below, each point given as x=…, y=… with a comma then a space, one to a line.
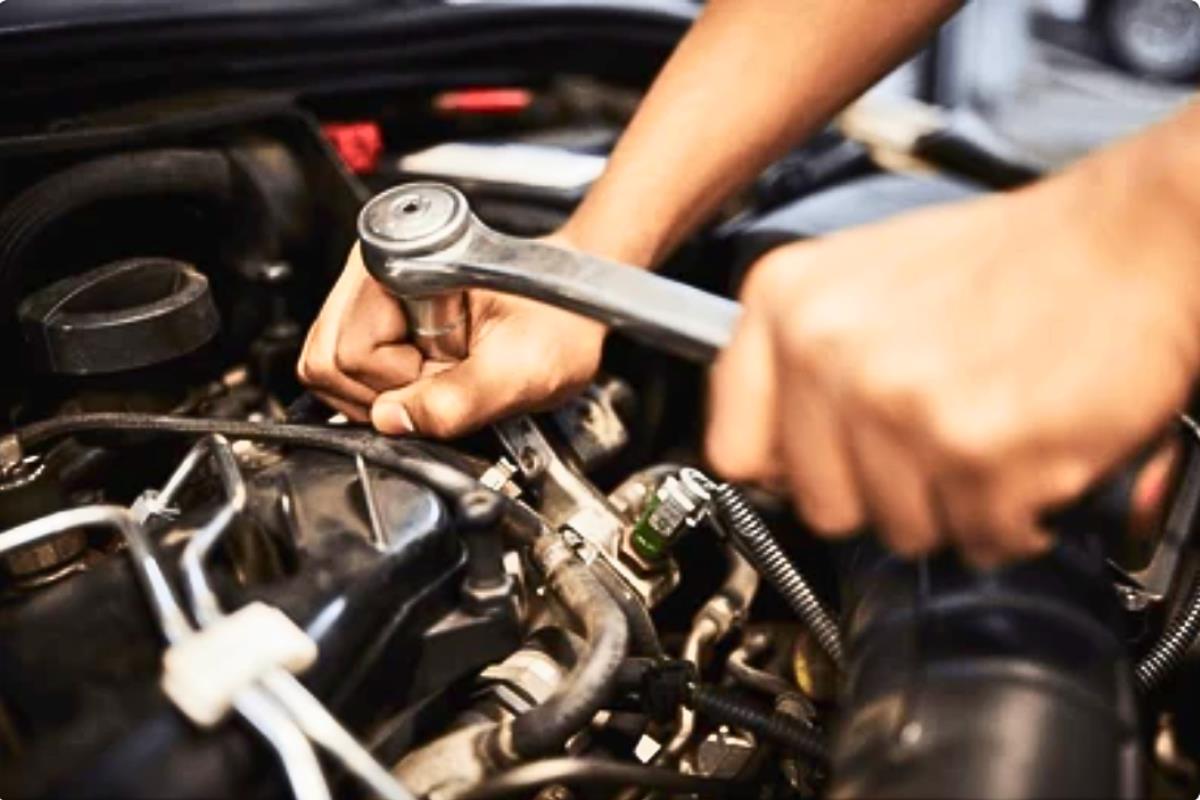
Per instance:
x=760, y=547
x=726, y=708
x=643, y=636
x=545, y=729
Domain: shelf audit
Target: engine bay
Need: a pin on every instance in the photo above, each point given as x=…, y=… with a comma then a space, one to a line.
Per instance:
x=212, y=586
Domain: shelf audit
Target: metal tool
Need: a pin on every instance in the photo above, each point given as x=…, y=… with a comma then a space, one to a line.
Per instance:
x=424, y=245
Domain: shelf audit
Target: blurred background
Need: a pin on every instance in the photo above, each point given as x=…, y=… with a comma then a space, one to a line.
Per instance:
x=1050, y=79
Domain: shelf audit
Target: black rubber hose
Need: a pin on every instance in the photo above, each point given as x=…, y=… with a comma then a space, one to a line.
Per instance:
x=527, y=779
x=175, y=172
x=1169, y=651
x=405, y=457
x=765, y=554
x=545, y=729
x=643, y=636
x=728, y=709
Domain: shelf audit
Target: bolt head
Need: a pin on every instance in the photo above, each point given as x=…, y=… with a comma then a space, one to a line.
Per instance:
x=412, y=220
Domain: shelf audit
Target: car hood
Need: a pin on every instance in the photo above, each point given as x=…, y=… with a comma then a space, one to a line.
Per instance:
x=71, y=57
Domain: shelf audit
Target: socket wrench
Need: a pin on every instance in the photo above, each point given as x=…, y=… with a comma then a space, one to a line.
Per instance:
x=423, y=244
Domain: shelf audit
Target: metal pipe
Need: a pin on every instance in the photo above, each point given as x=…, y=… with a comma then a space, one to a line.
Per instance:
x=299, y=762
x=171, y=619
x=700, y=638
x=304, y=710
x=743, y=672
x=712, y=623
x=323, y=728
x=205, y=604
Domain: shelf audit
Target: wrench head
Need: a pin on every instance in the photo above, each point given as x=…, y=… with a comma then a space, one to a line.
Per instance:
x=411, y=220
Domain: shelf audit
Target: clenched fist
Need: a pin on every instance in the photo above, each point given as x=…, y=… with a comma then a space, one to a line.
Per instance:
x=523, y=356
x=950, y=376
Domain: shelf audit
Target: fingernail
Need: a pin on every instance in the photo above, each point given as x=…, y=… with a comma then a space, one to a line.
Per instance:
x=392, y=418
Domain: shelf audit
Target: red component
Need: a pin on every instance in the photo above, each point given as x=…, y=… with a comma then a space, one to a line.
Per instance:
x=358, y=144
x=496, y=100
x=1152, y=490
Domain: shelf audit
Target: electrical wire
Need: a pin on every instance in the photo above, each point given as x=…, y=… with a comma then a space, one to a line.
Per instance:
x=402, y=457
x=1169, y=651
x=727, y=708
x=761, y=549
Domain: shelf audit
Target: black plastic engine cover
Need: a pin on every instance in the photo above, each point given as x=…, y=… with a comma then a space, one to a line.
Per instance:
x=80, y=665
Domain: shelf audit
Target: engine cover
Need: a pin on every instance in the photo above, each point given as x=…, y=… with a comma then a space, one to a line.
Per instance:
x=79, y=671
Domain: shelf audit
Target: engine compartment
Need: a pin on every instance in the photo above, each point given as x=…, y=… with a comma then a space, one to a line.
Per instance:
x=563, y=605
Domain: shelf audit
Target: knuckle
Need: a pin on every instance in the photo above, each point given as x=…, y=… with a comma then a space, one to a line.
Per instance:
x=447, y=412
x=728, y=459
x=542, y=377
x=770, y=272
x=907, y=546
x=1002, y=547
x=982, y=555
x=347, y=359
x=567, y=384
x=886, y=386
x=827, y=519
x=539, y=383
x=315, y=371
x=579, y=372
x=1069, y=479
x=965, y=440
x=819, y=330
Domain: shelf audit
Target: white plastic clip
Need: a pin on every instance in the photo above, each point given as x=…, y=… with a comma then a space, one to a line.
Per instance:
x=204, y=673
x=149, y=505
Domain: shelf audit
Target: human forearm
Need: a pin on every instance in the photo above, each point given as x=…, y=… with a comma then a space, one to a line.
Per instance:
x=1138, y=202
x=750, y=79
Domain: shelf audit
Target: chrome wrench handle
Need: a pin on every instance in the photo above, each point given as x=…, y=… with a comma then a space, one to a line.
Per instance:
x=423, y=244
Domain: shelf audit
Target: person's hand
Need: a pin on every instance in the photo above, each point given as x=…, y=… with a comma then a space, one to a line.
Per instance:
x=951, y=375
x=523, y=356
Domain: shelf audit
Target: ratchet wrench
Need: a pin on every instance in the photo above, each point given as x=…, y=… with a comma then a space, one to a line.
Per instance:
x=423, y=244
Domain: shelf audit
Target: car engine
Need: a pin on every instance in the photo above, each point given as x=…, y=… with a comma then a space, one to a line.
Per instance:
x=213, y=586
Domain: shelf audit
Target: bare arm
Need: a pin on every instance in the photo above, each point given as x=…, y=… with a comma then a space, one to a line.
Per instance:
x=750, y=80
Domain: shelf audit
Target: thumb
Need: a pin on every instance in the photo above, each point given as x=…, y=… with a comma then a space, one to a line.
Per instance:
x=455, y=400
